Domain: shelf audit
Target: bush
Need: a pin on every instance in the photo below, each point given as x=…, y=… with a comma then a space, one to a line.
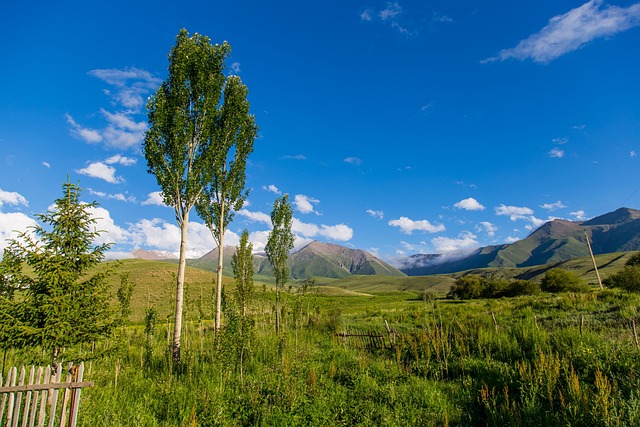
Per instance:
x=468, y=287
x=634, y=260
x=559, y=280
x=628, y=279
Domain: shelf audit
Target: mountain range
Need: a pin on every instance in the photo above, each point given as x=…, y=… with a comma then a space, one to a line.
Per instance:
x=555, y=241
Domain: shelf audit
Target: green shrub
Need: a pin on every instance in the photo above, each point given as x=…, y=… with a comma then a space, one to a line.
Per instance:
x=634, y=260
x=559, y=280
x=628, y=279
x=468, y=287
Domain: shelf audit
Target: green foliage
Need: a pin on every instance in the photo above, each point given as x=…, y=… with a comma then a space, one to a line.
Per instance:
x=279, y=244
x=634, y=260
x=473, y=286
x=628, y=278
x=183, y=115
x=242, y=262
x=65, y=301
x=559, y=280
x=124, y=294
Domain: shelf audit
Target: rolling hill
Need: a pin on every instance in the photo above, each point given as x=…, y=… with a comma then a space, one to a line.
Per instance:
x=555, y=241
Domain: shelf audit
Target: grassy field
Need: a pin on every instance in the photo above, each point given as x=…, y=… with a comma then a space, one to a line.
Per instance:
x=549, y=359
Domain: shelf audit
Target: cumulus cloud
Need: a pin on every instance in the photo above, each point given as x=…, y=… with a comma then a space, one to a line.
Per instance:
x=91, y=136
x=572, y=30
x=305, y=204
x=469, y=204
x=272, y=189
x=513, y=212
x=556, y=153
x=12, y=223
x=46, y=165
x=109, y=231
x=101, y=171
x=256, y=216
x=339, y=232
x=121, y=160
x=375, y=214
x=579, y=215
x=553, y=206
x=117, y=196
x=465, y=242
x=154, y=198
x=12, y=198
x=408, y=226
x=487, y=227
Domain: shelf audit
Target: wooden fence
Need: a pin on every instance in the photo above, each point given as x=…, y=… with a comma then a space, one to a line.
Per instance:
x=31, y=395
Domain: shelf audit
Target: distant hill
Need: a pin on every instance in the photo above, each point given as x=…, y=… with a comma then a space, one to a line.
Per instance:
x=317, y=259
x=555, y=241
x=331, y=260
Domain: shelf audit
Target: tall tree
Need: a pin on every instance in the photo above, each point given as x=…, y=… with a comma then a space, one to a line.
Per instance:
x=279, y=244
x=232, y=137
x=242, y=263
x=182, y=114
x=63, y=304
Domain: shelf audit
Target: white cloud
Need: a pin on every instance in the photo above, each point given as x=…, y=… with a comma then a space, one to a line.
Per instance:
x=295, y=157
x=109, y=231
x=11, y=223
x=560, y=141
x=633, y=153
x=572, y=30
x=101, y=171
x=408, y=226
x=339, y=232
x=117, y=196
x=579, y=215
x=511, y=239
x=353, y=160
x=513, y=212
x=488, y=228
x=46, y=165
x=469, y=204
x=553, y=206
x=556, y=153
x=390, y=15
x=235, y=67
x=375, y=214
x=367, y=15
x=272, y=189
x=12, y=198
x=466, y=241
x=391, y=11
x=91, y=136
x=305, y=204
x=154, y=198
x=122, y=160
x=130, y=84
x=256, y=216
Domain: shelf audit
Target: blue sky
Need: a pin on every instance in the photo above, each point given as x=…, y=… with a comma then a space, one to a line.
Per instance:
x=395, y=127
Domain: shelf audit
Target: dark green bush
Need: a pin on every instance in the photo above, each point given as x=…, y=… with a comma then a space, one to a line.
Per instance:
x=634, y=260
x=628, y=279
x=559, y=280
x=474, y=286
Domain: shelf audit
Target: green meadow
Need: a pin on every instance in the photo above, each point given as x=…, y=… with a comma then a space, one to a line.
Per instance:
x=370, y=351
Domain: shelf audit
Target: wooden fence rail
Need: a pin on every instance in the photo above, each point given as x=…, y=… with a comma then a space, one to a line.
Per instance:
x=22, y=404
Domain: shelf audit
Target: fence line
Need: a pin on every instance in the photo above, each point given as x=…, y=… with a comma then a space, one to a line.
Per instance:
x=39, y=396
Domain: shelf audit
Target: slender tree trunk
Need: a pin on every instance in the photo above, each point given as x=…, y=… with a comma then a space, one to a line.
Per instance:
x=177, y=329
x=277, y=309
x=219, y=275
